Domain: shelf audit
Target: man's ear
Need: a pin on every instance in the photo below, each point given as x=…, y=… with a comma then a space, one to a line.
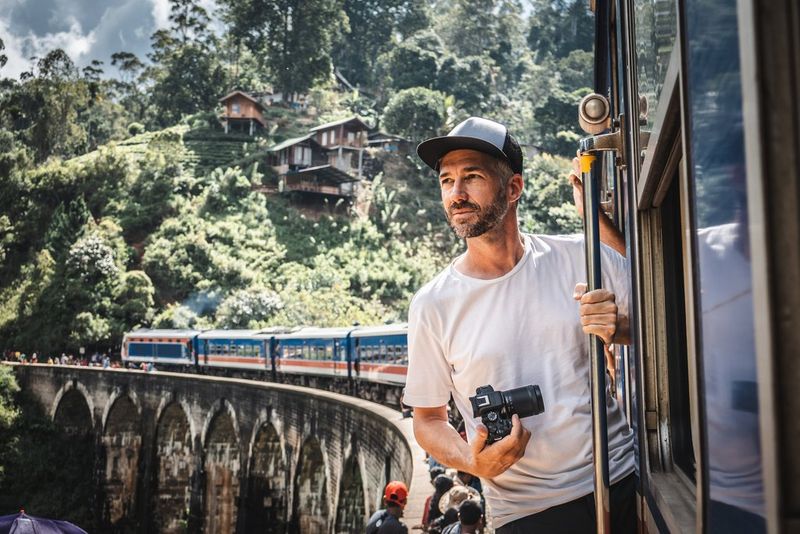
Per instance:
x=515, y=186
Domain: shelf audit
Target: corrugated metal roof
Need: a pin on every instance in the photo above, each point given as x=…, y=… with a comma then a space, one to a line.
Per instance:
x=341, y=121
x=290, y=142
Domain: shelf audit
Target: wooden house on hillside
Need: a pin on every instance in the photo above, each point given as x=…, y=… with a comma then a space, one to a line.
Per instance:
x=344, y=142
x=327, y=160
x=242, y=113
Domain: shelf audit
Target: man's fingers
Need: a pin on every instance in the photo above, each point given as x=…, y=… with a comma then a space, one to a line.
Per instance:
x=599, y=319
x=603, y=331
x=481, y=433
x=580, y=289
x=598, y=295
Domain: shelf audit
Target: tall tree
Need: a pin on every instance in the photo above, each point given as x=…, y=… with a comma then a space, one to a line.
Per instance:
x=557, y=27
x=294, y=37
x=372, y=24
x=129, y=86
x=187, y=75
x=43, y=108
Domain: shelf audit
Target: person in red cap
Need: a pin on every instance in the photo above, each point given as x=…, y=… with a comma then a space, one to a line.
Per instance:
x=387, y=520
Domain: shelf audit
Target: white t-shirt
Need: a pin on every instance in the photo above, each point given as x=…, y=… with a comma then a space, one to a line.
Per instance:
x=521, y=328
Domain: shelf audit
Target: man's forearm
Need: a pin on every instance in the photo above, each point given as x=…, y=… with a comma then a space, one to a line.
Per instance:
x=442, y=442
x=610, y=234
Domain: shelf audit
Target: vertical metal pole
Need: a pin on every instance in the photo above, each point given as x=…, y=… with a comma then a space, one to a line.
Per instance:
x=591, y=203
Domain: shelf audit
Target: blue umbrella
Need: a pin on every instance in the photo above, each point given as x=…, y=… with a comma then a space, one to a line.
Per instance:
x=23, y=523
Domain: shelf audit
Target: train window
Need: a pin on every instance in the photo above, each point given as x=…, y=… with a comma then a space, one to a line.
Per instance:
x=329, y=351
x=667, y=310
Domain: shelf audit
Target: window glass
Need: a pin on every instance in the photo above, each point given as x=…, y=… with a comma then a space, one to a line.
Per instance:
x=656, y=27
x=235, y=108
x=324, y=138
x=724, y=296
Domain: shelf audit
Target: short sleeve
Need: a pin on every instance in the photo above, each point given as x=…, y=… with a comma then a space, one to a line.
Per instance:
x=617, y=278
x=429, y=381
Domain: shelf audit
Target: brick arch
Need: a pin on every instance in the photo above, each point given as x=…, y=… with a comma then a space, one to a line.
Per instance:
x=73, y=409
x=116, y=394
x=222, y=468
x=267, y=481
x=174, y=467
x=122, y=443
x=351, y=510
x=168, y=398
x=69, y=389
x=311, y=511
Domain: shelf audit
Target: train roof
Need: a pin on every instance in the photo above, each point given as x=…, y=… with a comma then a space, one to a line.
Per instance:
x=380, y=330
x=230, y=334
x=312, y=332
x=161, y=332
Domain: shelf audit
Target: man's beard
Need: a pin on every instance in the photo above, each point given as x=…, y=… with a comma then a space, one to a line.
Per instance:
x=488, y=218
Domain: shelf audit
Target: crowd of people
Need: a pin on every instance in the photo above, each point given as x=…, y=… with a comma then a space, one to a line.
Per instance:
x=95, y=360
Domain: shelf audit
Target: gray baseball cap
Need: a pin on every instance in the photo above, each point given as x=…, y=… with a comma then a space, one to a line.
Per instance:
x=475, y=133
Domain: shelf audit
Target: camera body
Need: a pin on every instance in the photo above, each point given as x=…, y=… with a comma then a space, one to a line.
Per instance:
x=495, y=408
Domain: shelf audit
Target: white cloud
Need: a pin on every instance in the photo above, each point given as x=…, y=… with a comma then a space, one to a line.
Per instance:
x=160, y=12
x=20, y=49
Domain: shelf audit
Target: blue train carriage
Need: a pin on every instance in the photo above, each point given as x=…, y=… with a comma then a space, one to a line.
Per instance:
x=171, y=347
x=381, y=353
x=233, y=349
x=311, y=350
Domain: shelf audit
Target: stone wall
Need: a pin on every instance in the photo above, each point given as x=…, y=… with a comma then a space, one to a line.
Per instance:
x=186, y=452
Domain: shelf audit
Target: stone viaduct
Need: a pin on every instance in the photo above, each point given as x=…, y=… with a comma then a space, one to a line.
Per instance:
x=187, y=453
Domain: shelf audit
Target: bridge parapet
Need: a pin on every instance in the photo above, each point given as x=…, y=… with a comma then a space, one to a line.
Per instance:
x=177, y=452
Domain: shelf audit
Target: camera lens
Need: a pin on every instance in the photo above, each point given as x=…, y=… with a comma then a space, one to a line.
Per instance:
x=524, y=401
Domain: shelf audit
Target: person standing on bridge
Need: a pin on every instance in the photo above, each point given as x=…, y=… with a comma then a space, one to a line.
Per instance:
x=503, y=314
x=387, y=520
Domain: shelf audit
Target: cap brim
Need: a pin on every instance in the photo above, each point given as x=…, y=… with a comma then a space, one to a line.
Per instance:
x=432, y=150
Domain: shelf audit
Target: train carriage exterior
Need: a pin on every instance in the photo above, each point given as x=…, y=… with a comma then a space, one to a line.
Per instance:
x=381, y=353
x=700, y=148
x=170, y=347
x=234, y=349
x=311, y=350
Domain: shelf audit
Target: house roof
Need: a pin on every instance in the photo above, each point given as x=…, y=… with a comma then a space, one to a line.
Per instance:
x=337, y=123
x=327, y=172
x=241, y=93
x=290, y=142
x=380, y=136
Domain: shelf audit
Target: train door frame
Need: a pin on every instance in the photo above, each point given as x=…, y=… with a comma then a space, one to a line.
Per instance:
x=641, y=183
x=769, y=48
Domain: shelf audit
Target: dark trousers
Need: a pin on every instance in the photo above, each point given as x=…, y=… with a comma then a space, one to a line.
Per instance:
x=577, y=517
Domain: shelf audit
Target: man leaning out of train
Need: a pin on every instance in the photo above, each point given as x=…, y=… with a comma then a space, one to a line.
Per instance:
x=504, y=314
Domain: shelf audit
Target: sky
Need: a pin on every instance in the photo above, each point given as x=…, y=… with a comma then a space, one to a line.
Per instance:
x=84, y=29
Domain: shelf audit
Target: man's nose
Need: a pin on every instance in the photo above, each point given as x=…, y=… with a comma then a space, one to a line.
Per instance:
x=458, y=192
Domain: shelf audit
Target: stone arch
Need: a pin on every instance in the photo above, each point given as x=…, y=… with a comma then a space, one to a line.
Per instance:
x=116, y=394
x=311, y=513
x=169, y=398
x=266, y=501
x=73, y=410
x=222, y=466
x=174, y=461
x=67, y=408
x=122, y=443
x=351, y=513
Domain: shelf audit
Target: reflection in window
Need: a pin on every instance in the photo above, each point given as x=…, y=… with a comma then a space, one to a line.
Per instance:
x=656, y=26
x=727, y=332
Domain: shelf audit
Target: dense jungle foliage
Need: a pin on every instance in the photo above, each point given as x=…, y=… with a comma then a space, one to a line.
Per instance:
x=123, y=203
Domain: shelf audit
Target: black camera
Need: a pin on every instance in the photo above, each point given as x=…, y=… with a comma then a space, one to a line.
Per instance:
x=495, y=408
